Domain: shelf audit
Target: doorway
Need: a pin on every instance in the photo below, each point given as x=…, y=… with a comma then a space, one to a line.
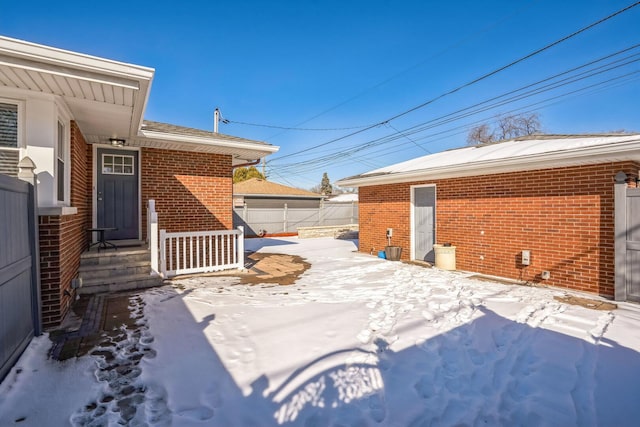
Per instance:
x=424, y=216
x=117, y=193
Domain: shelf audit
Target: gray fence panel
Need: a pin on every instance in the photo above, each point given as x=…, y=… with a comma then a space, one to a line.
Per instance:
x=302, y=218
x=339, y=214
x=288, y=220
x=18, y=286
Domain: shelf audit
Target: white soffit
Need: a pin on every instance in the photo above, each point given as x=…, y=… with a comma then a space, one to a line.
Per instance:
x=99, y=92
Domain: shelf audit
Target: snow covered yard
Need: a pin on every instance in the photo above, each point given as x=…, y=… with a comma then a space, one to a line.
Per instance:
x=356, y=341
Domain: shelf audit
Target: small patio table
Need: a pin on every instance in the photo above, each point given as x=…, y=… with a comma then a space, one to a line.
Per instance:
x=102, y=242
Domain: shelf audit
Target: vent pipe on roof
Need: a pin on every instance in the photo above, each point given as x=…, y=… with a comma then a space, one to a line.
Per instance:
x=216, y=119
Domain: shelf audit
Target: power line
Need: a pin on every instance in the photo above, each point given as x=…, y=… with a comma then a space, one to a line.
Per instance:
x=333, y=158
x=406, y=70
x=470, y=83
x=294, y=128
x=473, y=109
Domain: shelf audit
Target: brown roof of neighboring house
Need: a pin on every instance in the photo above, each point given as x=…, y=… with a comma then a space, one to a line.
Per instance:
x=260, y=187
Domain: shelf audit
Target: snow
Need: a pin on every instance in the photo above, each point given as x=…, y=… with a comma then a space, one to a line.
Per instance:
x=356, y=341
x=508, y=151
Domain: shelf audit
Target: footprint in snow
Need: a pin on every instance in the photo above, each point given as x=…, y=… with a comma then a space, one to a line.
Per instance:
x=201, y=413
x=377, y=408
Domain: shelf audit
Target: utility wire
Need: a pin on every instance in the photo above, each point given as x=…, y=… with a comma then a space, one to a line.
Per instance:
x=406, y=70
x=468, y=111
x=294, y=128
x=331, y=159
x=470, y=83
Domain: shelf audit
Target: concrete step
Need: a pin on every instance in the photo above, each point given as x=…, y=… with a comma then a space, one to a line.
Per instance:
x=112, y=256
x=123, y=268
x=119, y=283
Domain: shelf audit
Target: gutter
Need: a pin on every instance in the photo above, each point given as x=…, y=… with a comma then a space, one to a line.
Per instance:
x=593, y=155
x=245, y=145
x=242, y=165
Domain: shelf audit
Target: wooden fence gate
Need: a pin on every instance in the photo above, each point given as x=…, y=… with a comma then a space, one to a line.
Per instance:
x=19, y=272
x=627, y=241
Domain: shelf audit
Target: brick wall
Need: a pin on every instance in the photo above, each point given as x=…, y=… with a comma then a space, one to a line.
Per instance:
x=563, y=216
x=63, y=238
x=193, y=191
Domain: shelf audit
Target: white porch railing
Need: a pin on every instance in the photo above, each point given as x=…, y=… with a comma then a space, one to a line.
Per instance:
x=152, y=236
x=201, y=251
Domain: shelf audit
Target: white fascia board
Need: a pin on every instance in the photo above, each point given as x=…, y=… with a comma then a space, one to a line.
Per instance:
x=629, y=150
x=66, y=63
x=188, y=139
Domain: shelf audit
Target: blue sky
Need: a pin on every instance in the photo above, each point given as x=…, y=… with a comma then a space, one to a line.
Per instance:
x=347, y=64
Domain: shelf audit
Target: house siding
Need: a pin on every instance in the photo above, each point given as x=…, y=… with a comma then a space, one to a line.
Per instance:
x=193, y=191
x=63, y=238
x=564, y=216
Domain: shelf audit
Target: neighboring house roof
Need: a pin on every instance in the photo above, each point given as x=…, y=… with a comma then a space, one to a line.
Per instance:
x=344, y=198
x=108, y=99
x=262, y=188
x=520, y=154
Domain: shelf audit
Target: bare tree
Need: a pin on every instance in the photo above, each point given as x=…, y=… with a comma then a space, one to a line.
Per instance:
x=506, y=127
x=480, y=134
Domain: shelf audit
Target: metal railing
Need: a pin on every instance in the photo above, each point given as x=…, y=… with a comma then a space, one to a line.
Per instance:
x=201, y=251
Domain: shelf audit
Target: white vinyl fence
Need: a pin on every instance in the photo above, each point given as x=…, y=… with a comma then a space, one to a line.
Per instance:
x=201, y=251
x=192, y=251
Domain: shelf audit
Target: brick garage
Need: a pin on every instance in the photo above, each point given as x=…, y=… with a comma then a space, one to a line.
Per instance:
x=563, y=215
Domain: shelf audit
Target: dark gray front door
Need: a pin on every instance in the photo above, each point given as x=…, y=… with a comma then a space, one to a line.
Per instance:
x=424, y=214
x=117, y=193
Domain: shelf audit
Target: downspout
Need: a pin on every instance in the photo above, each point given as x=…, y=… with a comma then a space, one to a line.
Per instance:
x=242, y=165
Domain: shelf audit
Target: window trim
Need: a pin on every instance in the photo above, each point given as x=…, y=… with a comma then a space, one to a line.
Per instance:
x=123, y=156
x=66, y=159
x=21, y=122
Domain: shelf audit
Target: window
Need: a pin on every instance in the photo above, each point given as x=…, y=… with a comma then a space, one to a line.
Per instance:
x=113, y=164
x=61, y=152
x=8, y=125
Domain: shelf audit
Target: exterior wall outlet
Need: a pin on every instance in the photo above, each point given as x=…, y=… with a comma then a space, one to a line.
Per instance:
x=389, y=232
x=545, y=275
x=526, y=258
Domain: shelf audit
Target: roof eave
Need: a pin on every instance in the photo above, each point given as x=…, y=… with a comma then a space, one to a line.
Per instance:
x=583, y=156
x=192, y=143
x=63, y=61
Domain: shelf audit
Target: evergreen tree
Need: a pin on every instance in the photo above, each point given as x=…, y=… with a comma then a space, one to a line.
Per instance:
x=325, y=185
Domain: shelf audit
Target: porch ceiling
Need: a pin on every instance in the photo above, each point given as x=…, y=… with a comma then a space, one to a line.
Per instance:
x=107, y=98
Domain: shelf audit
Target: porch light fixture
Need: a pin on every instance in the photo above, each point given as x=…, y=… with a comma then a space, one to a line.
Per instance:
x=117, y=142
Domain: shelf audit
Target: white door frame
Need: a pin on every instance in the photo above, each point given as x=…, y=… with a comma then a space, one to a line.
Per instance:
x=94, y=185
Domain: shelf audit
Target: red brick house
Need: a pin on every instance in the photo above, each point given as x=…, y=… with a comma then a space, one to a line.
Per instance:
x=550, y=195
x=80, y=120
